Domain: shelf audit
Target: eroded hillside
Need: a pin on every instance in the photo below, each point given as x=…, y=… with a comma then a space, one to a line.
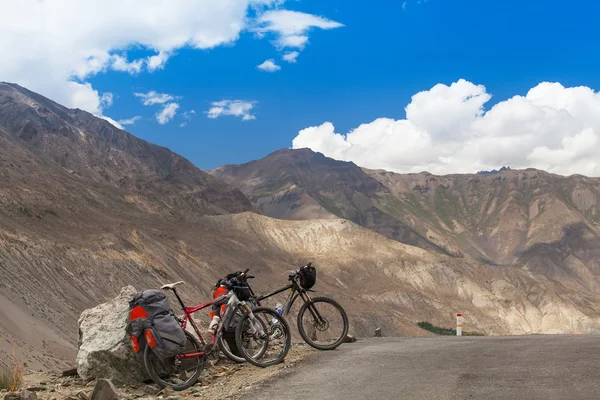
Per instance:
x=544, y=223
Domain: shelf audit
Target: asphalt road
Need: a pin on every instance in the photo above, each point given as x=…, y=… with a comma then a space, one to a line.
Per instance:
x=518, y=367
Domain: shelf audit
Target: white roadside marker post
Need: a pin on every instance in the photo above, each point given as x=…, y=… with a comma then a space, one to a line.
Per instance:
x=459, y=322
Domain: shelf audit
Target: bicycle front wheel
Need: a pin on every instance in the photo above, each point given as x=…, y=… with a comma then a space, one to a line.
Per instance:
x=228, y=346
x=323, y=323
x=178, y=374
x=263, y=338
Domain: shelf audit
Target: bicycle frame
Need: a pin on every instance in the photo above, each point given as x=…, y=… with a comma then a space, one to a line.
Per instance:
x=295, y=292
x=233, y=303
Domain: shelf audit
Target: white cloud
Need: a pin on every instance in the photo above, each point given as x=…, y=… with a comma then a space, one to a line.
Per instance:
x=293, y=41
x=447, y=130
x=158, y=61
x=130, y=121
x=291, y=28
x=120, y=63
x=87, y=98
x=54, y=47
x=152, y=97
x=167, y=113
x=269, y=66
x=187, y=116
x=236, y=108
x=291, y=56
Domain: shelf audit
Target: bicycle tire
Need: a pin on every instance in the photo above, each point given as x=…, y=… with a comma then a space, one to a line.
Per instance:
x=306, y=337
x=149, y=354
x=286, y=328
x=225, y=350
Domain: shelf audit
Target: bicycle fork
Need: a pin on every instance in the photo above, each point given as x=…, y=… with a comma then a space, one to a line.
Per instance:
x=255, y=326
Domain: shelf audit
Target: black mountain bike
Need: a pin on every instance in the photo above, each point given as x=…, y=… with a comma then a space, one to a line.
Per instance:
x=322, y=322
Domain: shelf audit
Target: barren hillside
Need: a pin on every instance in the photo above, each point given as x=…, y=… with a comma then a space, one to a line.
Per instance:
x=544, y=223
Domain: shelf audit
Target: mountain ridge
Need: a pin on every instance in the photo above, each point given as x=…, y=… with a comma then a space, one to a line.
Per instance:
x=505, y=218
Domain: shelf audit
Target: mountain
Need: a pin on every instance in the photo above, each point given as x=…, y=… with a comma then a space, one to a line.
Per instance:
x=532, y=219
x=91, y=148
x=494, y=171
x=86, y=208
x=301, y=184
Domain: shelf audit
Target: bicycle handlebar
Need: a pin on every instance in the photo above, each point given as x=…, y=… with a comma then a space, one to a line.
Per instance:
x=240, y=278
x=295, y=273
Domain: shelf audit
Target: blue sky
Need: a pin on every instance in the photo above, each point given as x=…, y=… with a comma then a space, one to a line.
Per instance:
x=385, y=52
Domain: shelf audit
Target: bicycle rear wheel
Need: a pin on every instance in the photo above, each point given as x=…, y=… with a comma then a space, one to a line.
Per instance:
x=173, y=372
x=265, y=339
x=323, y=323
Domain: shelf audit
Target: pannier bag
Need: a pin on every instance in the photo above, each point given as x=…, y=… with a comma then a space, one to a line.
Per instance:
x=154, y=324
x=308, y=277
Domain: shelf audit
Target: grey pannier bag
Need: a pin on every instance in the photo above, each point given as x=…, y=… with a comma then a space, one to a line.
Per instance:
x=154, y=324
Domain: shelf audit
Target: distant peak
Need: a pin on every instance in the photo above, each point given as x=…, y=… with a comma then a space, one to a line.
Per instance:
x=494, y=171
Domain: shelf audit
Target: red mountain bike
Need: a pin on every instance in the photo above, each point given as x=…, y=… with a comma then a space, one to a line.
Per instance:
x=254, y=332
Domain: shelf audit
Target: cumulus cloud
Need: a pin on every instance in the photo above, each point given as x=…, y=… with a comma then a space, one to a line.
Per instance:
x=129, y=121
x=291, y=56
x=291, y=28
x=447, y=130
x=167, y=113
x=236, y=108
x=152, y=97
x=269, y=66
x=55, y=47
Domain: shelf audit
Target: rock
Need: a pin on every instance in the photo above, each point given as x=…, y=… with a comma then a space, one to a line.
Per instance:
x=27, y=395
x=104, y=390
x=12, y=396
x=105, y=342
x=151, y=389
x=37, y=388
x=378, y=332
x=349, y=339
x=82, y=396
x=165, y=392
x=70, y=372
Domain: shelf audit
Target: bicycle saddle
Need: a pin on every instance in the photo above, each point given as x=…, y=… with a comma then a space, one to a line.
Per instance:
x=171, y=286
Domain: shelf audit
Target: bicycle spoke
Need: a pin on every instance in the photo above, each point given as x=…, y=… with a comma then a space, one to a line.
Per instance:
x=263, y=342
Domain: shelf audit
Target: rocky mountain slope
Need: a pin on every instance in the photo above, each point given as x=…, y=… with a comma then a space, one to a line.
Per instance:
x=86, y=209
x=301, y=184
x=544, y=223
x=90, y=148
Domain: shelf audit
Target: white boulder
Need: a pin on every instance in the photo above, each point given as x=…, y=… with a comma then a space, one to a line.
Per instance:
x=105, y=342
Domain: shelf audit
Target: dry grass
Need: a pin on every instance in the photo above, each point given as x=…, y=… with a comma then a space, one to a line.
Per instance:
x=11, y=377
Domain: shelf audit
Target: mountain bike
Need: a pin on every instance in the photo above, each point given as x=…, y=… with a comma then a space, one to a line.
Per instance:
x=321, y=313
x=255, y=324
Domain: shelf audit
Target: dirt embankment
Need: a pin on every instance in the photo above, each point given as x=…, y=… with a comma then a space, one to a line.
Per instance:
x=222, y=379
